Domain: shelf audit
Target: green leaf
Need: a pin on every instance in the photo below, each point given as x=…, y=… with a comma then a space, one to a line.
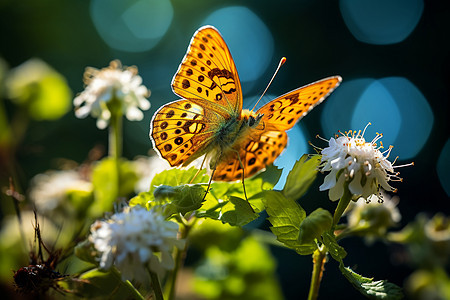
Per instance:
x=336, y=251
x=234, y=211
x=301, y=176
x=143, y=199
x=237, y=212
x=381, y=289
x=314, y=225
x=40, y=89
x=111, y=179
x=253, y=187
x=286, y=215
x=102, y=285
x=185, y=198
x=176, y=177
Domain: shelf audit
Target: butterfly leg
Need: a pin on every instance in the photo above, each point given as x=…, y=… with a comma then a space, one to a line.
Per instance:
x=243, y=179
x=209, y=183
x=196, y=174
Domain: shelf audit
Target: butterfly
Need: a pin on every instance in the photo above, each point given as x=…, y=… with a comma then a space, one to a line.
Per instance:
x=210, y=121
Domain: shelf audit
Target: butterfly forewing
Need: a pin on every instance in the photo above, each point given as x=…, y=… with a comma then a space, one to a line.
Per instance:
x=208, y=75
x=283, y=112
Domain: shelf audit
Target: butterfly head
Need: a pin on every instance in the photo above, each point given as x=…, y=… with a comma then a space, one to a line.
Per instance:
x=251, y=119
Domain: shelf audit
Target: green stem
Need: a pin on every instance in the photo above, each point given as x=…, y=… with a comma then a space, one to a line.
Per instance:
x=156, y=285
x=115, y=135
x=319, y=260
x=342, y=205
x=127, y=284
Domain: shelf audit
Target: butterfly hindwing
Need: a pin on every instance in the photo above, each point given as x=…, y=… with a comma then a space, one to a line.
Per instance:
x=181, y=130
x=286, y=110
x=258, y=150
x=208, y=74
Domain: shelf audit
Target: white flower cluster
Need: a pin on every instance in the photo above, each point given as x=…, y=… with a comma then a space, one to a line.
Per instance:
x=349, y=158
x=378, y=214
x=135, y=239
x=49, y=191
x=110, y=83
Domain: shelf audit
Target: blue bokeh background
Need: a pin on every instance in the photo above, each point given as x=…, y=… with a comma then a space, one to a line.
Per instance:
x=393, y=57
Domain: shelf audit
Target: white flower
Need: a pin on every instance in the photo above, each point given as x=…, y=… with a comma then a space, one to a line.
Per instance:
x=49, y=191
x=135, y=239
x=361, y=164
x=113, y=82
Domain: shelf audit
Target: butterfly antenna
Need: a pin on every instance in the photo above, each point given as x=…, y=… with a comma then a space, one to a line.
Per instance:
x=282, y=61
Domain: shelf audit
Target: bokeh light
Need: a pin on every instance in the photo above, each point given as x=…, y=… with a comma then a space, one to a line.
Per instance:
x=393, y=105
x=131, y=26
x=443, y=167
x=416, y=114
x=340, y=105
x=381, y=22
x=377, y=106
x=250, y=41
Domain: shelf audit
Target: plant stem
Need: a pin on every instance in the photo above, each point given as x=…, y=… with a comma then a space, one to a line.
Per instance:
x=115, y=135
x=156, y=285
x=127, y=284
x=319, y=259
x=342, y=205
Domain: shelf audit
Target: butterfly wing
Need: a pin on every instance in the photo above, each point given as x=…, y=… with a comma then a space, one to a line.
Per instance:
x=264, y=144
x=208, y=75
x=258, y=150
x=283, y=112
x=181, y=131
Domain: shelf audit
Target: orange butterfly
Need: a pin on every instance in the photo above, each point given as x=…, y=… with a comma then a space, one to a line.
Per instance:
x=210, y=119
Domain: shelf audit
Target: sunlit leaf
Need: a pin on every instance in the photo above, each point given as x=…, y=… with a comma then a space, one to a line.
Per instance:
x=237, y=212
x=253, y=187
x=286, y=215
x=381, y=289
x=301, y=176
x=314, y=225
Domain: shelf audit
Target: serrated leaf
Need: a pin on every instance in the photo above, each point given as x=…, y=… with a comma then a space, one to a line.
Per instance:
x=237, y=212
x=335, y=250
x=314, y=225
x=286, y=215
x=381, y=289
x=301, y=176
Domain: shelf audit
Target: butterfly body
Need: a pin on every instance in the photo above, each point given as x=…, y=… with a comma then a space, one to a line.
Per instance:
x=210, y=121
